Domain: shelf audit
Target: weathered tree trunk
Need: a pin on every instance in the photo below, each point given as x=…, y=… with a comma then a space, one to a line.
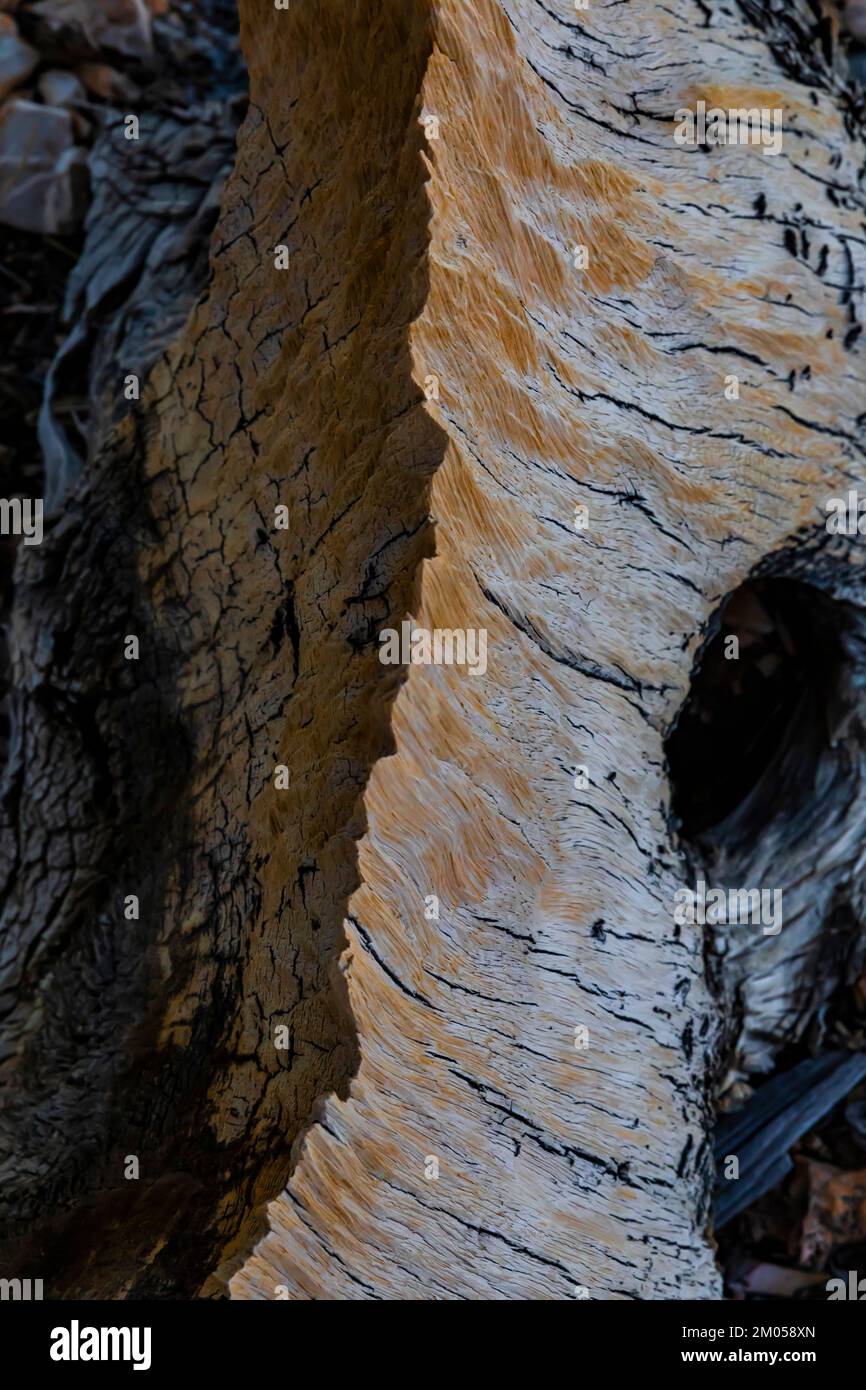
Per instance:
x=426, y=248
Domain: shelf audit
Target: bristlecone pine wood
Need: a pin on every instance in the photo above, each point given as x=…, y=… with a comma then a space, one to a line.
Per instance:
x=305, y=1172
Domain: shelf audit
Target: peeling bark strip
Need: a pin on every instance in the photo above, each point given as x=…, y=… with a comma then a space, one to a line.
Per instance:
x=463, y=271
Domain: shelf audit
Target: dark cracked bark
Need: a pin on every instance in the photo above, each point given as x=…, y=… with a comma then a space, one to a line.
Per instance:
x=156, y=1038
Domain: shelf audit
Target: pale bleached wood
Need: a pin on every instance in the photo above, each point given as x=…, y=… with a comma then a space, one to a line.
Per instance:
x=559, y=387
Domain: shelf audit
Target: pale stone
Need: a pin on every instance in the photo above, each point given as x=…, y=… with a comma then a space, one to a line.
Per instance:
x=59, y=88
x=121, y=26
x=17, y=58
x=42, y=170
x=106, y=82
x=855, y=18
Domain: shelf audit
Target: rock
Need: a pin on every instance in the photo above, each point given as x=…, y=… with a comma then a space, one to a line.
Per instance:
x=43, y=173
x=119, y=26
x=58, y=88
x=759, y=1278
x=106, y=83
x=855, y=18
x=17, y=58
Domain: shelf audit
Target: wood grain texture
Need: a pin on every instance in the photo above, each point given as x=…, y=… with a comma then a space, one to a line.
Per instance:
x=560, y=387
x=300, y=1172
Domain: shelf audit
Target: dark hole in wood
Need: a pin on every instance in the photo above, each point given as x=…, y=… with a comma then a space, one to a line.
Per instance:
x=749, y=739
x=765, y=762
